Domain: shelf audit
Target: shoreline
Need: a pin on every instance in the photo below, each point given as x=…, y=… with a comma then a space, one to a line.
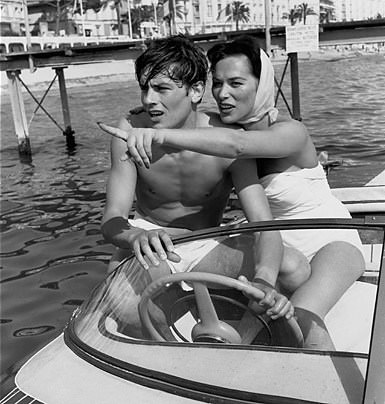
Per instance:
x=119, y=71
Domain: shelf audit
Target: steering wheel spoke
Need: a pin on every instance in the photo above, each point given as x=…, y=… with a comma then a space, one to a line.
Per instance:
x=206, y=309
x=210, y=328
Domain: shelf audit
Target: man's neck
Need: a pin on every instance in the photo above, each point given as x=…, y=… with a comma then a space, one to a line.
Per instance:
x=190, y=122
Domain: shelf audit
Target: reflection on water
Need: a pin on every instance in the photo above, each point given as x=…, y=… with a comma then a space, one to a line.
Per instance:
x=52, y=252
x=342, y=104
x=51, y=249
x=27, y=332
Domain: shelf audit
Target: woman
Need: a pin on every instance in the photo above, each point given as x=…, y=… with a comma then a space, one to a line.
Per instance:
x=293, y=179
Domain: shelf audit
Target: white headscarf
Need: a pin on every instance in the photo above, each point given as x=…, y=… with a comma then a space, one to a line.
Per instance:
x=264, y=99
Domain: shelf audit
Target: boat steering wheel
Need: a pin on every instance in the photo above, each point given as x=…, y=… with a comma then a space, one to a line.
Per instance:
x=209, y=328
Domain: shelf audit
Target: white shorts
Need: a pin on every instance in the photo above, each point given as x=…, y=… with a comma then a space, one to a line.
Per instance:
x=191, y=252
x=310, y=241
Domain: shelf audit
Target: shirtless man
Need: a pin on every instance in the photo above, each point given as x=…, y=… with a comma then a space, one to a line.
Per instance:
x=183, y=190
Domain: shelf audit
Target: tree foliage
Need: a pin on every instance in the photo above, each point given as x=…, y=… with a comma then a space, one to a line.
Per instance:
x=293, y=15
x=299, y=13
x=235, y=11
x=304, y=11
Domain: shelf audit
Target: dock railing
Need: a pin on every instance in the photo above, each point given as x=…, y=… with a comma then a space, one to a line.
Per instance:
x=10, y=44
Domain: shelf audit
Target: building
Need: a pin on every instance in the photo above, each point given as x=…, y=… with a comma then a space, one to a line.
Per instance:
x=202, y=16
x=63, y=17
x=351, y=10
x=99, y=18
x=101, y=21
x=11, y=17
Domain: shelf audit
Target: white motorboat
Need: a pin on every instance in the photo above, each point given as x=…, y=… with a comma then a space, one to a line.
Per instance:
x=98, y=360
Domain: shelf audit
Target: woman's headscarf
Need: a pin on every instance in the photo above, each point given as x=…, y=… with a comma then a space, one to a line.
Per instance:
x=264, y=99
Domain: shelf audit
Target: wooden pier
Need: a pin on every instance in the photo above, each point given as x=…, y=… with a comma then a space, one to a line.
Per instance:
x=59, y=59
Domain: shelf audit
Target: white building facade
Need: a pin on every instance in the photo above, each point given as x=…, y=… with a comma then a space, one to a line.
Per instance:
x=351, y=10
x=11, y=16
x=201, y=16
x=197, y=16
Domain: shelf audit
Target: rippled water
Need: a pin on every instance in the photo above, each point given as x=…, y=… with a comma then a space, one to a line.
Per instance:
x=51, y=248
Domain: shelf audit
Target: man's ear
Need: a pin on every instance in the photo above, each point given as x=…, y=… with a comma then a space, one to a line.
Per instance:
x=197, y=91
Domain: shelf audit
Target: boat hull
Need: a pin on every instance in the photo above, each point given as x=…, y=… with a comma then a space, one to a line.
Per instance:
x=184, y=373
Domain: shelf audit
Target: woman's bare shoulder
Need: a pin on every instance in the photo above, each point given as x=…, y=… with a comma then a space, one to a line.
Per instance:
x=295, y=129
x=290, y=123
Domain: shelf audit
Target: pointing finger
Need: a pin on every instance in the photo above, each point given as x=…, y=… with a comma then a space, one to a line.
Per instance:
x=116, y=132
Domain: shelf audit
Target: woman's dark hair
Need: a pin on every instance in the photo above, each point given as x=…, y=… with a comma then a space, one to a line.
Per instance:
x=242, y=45
x=175, y=56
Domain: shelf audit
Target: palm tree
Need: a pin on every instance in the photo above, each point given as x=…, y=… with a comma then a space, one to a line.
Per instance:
x=326, y=11
x=117, y=4
x=304, y=11
x=237, y=11
x=62, y=9
x=181, y=10
x=140, y=14
x=293, y=15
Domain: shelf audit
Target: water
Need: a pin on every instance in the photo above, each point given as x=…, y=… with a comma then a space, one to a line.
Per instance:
x=51, y=248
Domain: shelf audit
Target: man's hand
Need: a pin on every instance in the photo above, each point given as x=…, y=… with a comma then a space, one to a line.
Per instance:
x=139, y=142
x=152, y=246
x=275, y=304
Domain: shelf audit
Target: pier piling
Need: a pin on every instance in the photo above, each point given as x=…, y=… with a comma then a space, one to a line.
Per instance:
x=18, y=112
x=19, y=115
x=68, y=131
x=296, y=105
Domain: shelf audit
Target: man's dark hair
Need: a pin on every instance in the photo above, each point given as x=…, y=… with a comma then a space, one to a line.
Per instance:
x=175, y=56
x=242, y=45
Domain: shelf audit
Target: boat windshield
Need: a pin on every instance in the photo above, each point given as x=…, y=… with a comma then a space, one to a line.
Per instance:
x=110, y=320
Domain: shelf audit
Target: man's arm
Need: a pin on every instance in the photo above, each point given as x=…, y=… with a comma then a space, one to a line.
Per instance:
x=269, y=248
x=148, y=245
x=120, y=195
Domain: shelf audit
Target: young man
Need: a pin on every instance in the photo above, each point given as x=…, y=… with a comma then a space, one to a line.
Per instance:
x=183, y=190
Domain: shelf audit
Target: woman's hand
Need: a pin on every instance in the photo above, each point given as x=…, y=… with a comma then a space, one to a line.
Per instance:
x=139, y=142
x=153, y=246
x=275, y=304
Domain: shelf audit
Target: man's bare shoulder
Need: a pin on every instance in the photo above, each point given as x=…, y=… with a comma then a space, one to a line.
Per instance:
x=210, y=119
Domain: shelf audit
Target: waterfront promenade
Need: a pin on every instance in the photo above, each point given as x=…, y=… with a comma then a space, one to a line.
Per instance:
x=336, y=40
x=122, y=70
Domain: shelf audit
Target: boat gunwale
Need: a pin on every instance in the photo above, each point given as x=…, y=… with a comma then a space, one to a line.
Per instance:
x=181, y=386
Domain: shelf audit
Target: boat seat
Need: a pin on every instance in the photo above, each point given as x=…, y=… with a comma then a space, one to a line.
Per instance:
x=362, y=199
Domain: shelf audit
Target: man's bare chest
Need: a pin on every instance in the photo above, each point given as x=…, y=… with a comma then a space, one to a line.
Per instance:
x=189, y=178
